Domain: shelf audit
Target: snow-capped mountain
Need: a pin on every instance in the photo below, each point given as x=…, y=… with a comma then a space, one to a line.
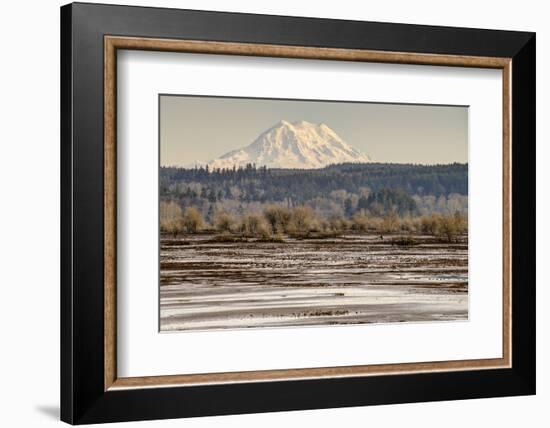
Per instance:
x=300, y=144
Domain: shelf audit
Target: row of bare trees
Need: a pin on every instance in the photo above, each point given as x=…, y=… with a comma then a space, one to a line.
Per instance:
x=301, y=221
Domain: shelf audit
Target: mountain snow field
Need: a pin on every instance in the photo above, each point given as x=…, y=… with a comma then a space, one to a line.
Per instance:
x=300, y=145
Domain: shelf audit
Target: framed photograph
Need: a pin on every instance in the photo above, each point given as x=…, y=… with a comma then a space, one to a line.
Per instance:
x=265, y=213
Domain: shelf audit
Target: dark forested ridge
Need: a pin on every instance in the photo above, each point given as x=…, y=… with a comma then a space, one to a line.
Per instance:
x=253, y=184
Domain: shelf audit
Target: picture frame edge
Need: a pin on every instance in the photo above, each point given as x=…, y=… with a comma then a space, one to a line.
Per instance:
x=87, y=397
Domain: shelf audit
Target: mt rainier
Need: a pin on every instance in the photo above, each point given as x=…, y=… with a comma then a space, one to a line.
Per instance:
x=300, y=145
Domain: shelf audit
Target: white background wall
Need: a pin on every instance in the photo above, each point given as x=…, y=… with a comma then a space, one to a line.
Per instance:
x=29, y=213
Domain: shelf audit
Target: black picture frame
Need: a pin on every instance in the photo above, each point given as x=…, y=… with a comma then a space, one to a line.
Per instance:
x=83, y=396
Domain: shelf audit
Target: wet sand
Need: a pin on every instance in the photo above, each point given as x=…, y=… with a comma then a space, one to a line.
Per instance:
x=352, y=279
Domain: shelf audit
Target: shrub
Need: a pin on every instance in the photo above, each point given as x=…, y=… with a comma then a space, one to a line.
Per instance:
x=173, y=226
x=360, y=222
x=444, y=226
x=339, y=224
x=431, y=224
x=375, y=224
x=448, y=228
x=390, y=223
x=224, y=222
x=255, y=225
x=410, y=224
x=170, y=217
x=278, y=218
x=192, y=220
x=301, y=220
x=461, y=222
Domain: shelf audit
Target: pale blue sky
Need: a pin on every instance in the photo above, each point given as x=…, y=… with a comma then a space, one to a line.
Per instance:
x=203, y=128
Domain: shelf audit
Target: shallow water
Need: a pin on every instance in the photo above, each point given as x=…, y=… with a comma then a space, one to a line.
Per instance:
x=353, y=279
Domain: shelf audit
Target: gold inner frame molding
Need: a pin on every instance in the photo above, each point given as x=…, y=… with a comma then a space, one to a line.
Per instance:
x=113, y=43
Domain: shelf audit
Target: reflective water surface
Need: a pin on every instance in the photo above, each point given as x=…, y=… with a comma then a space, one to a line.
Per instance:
x=207, y=284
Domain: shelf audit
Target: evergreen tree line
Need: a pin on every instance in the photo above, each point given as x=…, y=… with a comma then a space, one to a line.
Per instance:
x=296, y=187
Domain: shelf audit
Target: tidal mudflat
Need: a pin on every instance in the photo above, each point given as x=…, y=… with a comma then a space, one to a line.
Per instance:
x=206, y=283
